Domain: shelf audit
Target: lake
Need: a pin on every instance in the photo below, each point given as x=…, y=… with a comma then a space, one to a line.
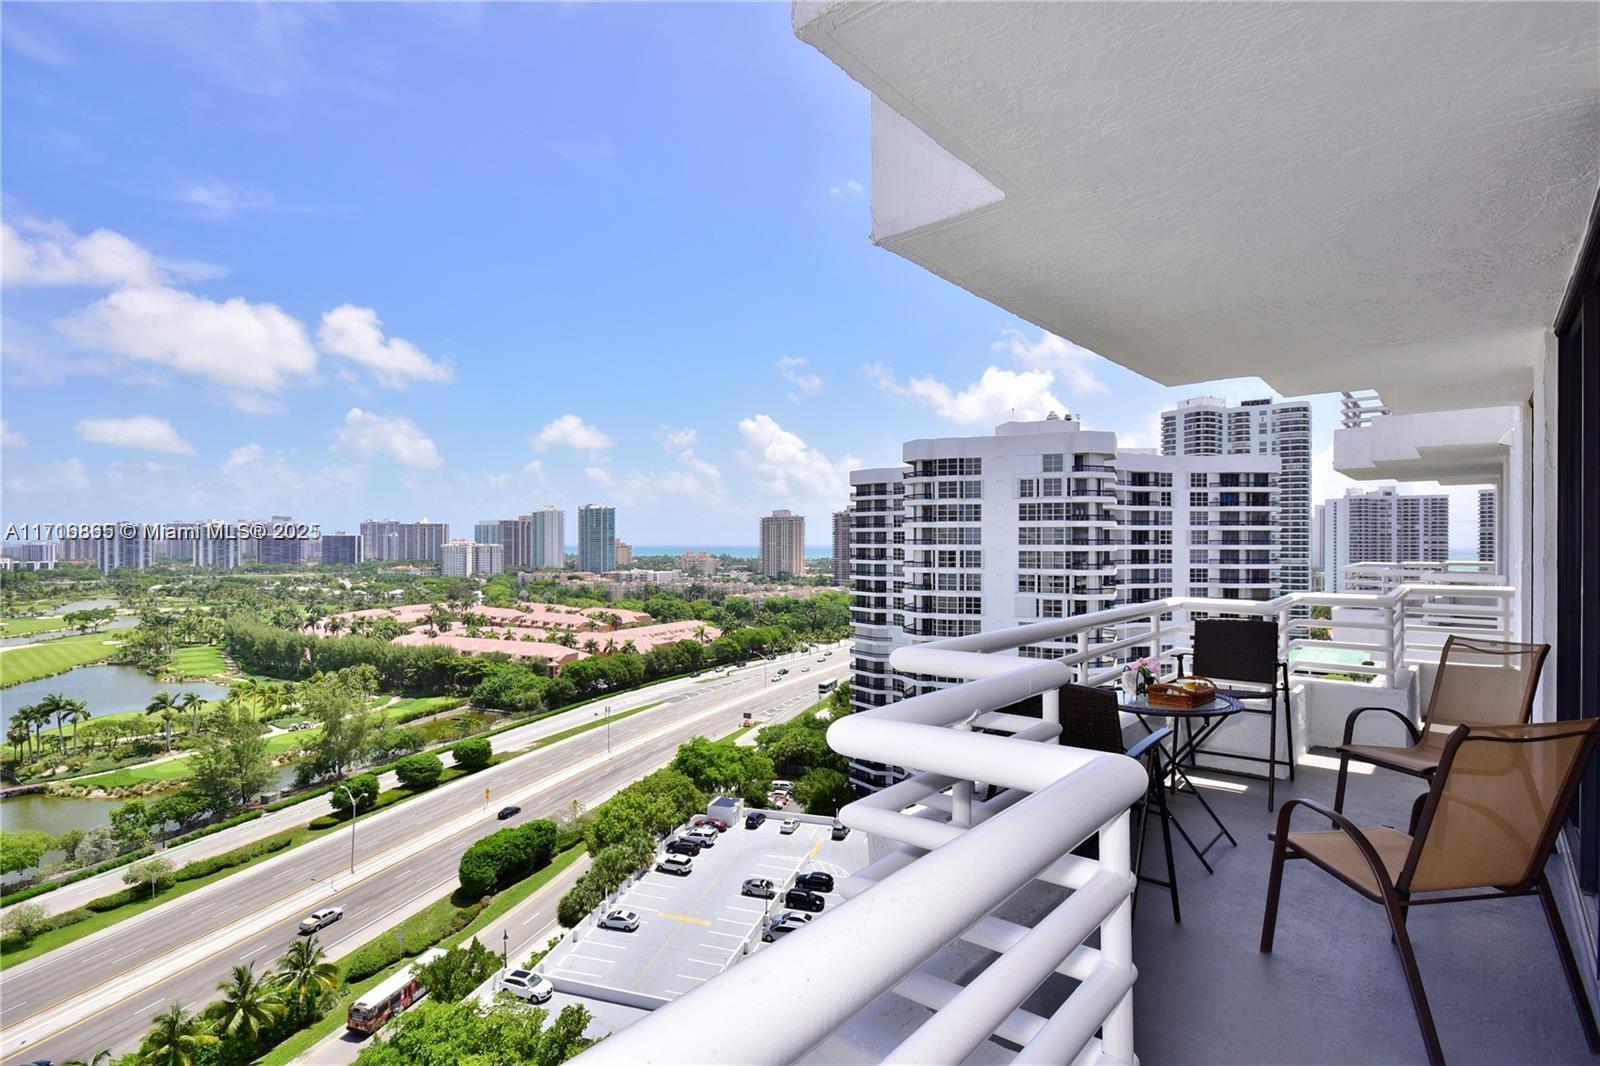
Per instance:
x=126, y=621
x=105, y=689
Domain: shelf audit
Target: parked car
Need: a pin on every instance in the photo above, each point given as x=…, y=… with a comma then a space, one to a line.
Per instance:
x=759, y=887
x=784, y=923
x=754, y=819
x=803, y=900
x=525, y=984
x=626, y=921
x=816, y=881
x=508, y=812
x=677, y=865
x=780, y=785
x=840, y=830
x=705, y=836
x=319, y=918
x=683, y=846
x=715, y=823
x=789, y=825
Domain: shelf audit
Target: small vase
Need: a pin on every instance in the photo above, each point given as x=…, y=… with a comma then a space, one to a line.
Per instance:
x=1130, y=684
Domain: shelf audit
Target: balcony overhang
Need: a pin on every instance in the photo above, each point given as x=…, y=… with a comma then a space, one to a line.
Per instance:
x=1450, y=447
x=1329, y=196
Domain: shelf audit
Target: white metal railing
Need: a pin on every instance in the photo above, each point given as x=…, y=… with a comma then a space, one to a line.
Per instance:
x=906, y=907
x=1384, y=577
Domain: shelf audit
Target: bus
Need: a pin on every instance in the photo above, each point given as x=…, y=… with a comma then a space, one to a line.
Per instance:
x=825, y=687
x=390, y=996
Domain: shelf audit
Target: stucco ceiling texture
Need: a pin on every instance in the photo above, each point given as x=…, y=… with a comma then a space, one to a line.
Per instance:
x=1333, y=196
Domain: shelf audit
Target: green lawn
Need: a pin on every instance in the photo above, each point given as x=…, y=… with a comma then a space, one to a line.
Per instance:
x=203, y=661
x=52, y=657
x=129, y=776
x=21, y=627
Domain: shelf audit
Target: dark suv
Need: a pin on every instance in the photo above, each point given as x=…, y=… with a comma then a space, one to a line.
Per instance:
x=802, y=900
x=816, y=881
x=680, y=846
x=754, y=819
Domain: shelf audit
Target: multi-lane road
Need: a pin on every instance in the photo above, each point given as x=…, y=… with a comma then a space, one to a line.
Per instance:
x=100, y=992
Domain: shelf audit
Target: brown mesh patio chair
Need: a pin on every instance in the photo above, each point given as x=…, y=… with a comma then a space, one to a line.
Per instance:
x=1241, y=655
x=1480, y=682
x=1484, y=830
x=1090, y=719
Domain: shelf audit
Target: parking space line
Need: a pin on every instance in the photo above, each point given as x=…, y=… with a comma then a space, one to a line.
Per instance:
x=591, y=958
x=683, y=918
x=741, y=910
x=704, y=962
x=608, y=947
x=692, y=977
x=713, y=932
x=647, y=895
x=575, y=973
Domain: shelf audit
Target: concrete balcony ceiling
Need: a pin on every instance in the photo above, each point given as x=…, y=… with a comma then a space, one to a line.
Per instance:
x=1450, y=447
x=1329, y=196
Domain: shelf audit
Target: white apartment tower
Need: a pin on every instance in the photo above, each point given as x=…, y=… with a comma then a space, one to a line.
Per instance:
x=841, y=547
x=1382, y=526
x=548, y=539
x=1206, y=425
x=783, y=544
x=1042, y=520
x=1488, y=523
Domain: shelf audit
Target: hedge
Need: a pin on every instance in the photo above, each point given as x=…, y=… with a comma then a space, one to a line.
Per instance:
x=420, y=771
x=414, y=935
x=472, y=754
x=506, y=856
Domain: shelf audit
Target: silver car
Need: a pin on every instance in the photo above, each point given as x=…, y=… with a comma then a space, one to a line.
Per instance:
x=319, y=918
x=525, y=984
x=626, y=921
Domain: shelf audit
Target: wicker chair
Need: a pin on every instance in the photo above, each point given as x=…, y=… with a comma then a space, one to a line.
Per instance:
x=1241, y=654
x=1484, y=830
x=1482, y=682
x=1090, y=719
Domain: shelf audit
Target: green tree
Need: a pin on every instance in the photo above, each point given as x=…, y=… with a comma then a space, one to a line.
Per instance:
x=130, y=824
x=472, y=754
x=505, y=1035
x=21, y=849
x=24, y=921
x=364, y=787
x=176, y=1040
x=333, y=703
x=304, y=979
x=164, y=705
x=249, y=1005
x=824, y=791
x=149, y=876
x=454, y=975
x=231, y=764
x=418, y=772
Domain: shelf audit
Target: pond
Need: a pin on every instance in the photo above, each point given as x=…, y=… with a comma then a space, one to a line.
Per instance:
x=105, y=689
x=125, y=621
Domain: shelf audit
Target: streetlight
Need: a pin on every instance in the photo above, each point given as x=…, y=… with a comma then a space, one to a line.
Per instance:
x=505, y=949
x=608, y=729
x=351, y=796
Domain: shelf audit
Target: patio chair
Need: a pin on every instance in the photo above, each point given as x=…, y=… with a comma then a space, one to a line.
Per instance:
x=1241, y=655
x=1090, y=719
x=1480, y=682
x=1484, y=830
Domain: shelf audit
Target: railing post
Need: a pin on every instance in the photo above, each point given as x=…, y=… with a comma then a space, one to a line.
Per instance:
x=1116, y=938
x=1083, y=662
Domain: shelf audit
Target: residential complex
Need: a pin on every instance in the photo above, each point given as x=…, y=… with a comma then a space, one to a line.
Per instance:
x=1382, y=525
x=547, y=539
x=29, y=555
x=341, y=549
x=465, y=558
x=841, y=547
x=123, y=551
x=280, y=550
x=782, y=537
x=386, y=540
x=597, y=538
x=1206, y=425
x=1043, y=520
x=1488, y=523
x=699, y=563
x=624, y=552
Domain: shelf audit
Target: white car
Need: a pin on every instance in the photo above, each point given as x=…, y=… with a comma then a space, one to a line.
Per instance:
x=679, y=865
x=317, y=919
x=822, y=658
x=626, y=921
x=525, y=984
x=789, y=825
x=783, y=923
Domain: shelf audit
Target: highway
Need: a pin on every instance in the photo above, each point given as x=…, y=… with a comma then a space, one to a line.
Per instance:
x=100, y=992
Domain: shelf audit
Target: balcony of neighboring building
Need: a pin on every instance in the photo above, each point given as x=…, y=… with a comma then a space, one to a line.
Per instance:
x=1461, y=447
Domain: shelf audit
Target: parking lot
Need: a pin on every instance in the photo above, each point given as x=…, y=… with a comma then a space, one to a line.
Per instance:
x=692, y=928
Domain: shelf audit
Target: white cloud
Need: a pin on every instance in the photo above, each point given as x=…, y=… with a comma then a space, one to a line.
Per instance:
x=784, y=463
x=600, y=476
x=570, y=431
x=220, y=200
x=248, y=349
x=847, y=190
x=805, y=382
x=139, y=431
x=66, y=475
x=998, y=396
x=37, y=252
x=535, y=467
x=10, y=438
x=36, y=43
x=369, y=435
x=1056, y=354
x=252, y=474
x=356, y=333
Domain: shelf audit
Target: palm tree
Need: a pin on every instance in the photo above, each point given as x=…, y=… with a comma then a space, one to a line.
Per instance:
x=164, y=705
x=77, y=711
x=18, y=734
x=249, y=1005
x=175, y=1040
x=55, y=706
x=700, y=635
x=591, y=646
x=101, y=1058
x=305, y=975
x=629, y=647
x=190, y=701
x=333, y=626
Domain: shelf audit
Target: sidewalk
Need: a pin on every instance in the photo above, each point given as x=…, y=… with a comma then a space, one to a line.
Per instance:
x=527, y=927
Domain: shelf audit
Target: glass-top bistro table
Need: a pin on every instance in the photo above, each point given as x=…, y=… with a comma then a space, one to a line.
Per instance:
x=1181, y=747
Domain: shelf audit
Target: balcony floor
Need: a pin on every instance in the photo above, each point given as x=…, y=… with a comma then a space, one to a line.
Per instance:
x=1332, y=991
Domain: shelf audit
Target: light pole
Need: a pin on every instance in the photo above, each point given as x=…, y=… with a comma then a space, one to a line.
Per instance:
x=351, y=796
x=608, y=729
x=505, y=949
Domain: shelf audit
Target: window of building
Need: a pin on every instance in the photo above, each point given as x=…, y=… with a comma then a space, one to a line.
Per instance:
x=1052, y=464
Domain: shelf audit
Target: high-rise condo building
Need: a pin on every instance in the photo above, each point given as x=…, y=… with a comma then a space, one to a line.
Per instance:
x=216, y=546
x=279, y=550
x=841, y=547
x=341, y=549
x=486, y=531
x=547, y=539
x=488, y=559
x=30, y=555
x=597, y=538
x=1488, y=524
x=1042, y=520
x=1382, y=526
x=624, y=552
x=465, y=558
x=1206, y=425
x=387, y=540
x=783, y=544
x=121, y=552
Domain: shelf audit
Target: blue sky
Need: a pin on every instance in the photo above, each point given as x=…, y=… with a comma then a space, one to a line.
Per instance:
x=461, y=261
